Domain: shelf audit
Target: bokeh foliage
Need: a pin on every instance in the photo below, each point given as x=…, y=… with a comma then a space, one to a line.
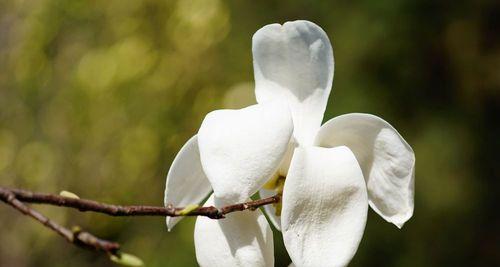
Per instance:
x=96, y=97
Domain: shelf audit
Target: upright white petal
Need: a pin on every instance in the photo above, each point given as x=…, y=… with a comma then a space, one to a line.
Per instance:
x=241, y=149
x=386, y=159
x=186, y=182
x=325, y=206
x=242, y=239
x=294, y=62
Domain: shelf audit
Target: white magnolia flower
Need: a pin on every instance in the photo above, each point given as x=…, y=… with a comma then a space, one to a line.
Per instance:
x=328, y=174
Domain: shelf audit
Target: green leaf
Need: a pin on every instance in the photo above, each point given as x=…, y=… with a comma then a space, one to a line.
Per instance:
x=68, y=194
x=188, y=209
x=126, y=259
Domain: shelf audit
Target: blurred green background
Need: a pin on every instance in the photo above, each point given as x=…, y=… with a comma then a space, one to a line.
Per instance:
x=97, y=97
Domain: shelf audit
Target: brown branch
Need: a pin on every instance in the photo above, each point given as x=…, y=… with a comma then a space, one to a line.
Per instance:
x=251, y=205
x=17, y=197
x=75, y=236
x=118, y=210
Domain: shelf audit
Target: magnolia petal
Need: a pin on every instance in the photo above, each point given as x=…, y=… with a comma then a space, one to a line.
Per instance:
x=241, y=239
x=186, y=182
x=270, y=210
x=325, y=206
x=387, y=161
x=294, y=62
x=241, y=149
x=285, y=163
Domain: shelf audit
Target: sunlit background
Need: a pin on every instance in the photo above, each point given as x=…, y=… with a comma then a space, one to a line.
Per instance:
x=97, y=97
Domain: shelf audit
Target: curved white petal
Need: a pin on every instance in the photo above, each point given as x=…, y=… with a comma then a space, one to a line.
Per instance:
x=186, y=182
x=269, y=209
x=241, y=149
x=294, y=62
x=386, y=159
x=325, y=205
x=241, y=239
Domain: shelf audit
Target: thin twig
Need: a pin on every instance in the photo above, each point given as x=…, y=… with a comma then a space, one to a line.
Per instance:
x=76, y=236
x=136, y=210
x=17, y=197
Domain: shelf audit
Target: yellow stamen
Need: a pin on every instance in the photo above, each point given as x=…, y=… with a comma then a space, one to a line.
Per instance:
x=271, y=184
x=276, y=183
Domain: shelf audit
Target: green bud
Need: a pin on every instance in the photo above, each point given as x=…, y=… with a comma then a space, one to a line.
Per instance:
x=188, y=209
x=126, y=259
x=68, y=194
